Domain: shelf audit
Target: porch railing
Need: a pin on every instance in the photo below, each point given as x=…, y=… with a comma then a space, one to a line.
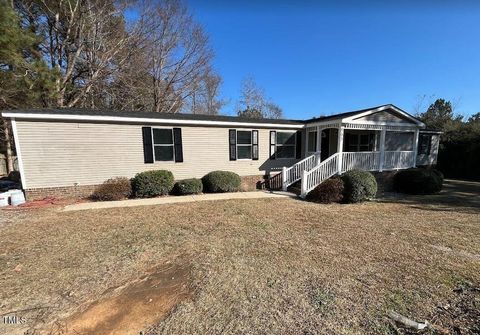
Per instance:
x=398, y=160
x=368, y=161
x=317, y=175
x=294, y=173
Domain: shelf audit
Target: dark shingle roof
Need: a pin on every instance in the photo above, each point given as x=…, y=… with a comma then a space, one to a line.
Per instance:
x=149, y=115
x=347, y=114
x=187, y=117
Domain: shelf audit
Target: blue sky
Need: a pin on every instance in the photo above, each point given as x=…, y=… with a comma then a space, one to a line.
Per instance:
x=317, y=58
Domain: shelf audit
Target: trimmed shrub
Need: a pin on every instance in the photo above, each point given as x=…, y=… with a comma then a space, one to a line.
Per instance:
x=418, y=181
x=331, y=190
x=113, y=189
x=221, y=181
x=359, y=186
x=188, y=186
x=150, y=184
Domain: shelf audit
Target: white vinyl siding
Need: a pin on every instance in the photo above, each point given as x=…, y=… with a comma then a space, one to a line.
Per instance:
x=69, y=153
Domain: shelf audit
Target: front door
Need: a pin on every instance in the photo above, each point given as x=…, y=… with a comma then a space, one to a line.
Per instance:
x=325, y=150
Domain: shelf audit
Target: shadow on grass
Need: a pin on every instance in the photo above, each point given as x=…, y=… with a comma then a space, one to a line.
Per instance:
x=456, y=196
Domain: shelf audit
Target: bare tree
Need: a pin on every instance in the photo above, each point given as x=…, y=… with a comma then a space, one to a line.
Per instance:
x=178, y=51
x=254, y=104
x=159, y=60
x=205, y=97
x=81, y=39
x=6, y=139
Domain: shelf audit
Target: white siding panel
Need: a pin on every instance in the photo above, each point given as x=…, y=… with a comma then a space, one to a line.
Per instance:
x=67, y=153
x=385, y=116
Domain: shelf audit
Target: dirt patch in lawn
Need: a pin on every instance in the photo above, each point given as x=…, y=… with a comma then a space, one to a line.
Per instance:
x=132, y=307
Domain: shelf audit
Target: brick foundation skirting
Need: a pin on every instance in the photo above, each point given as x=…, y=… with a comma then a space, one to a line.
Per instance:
x=249, y=183
x=64, y=192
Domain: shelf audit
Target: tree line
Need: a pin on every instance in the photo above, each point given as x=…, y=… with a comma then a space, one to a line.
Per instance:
x=459, y=152
x=123, y=55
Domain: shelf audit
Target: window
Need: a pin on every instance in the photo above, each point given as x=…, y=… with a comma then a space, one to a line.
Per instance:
x=285, y=145
x=356, y=142
x=312, y=141
x=399, y=141
x=424, y=144
x=163, y=144
x=243, y=144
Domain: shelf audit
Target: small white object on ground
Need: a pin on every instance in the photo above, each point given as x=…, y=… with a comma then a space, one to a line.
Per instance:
x=406, y=321
x=4, y=199
x=17, y=197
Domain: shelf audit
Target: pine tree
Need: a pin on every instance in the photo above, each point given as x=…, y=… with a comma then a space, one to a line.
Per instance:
x=25, y=80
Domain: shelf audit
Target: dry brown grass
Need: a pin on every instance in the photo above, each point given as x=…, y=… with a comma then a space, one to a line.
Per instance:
x=258, y=266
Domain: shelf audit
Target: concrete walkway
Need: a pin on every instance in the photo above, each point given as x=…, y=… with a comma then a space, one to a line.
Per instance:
x=177, y=199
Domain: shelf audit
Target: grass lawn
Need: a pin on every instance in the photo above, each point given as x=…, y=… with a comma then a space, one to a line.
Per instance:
x=263, y=266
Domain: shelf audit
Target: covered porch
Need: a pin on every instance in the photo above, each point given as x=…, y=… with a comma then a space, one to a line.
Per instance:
x=378, y=139
x=362, y=147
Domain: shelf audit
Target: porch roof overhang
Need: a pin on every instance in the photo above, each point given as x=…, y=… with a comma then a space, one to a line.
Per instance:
x=352, y=120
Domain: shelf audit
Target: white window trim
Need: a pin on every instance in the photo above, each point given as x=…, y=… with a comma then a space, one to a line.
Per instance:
x=244, y=145
x=163, y=145
x=287, y=145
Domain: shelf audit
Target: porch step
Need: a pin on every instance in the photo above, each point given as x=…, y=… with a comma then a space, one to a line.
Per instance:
x=295, y=188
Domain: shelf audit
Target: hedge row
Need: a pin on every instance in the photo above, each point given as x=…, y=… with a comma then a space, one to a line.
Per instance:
x=357, y=185
x=418, y=181
x=155, y=183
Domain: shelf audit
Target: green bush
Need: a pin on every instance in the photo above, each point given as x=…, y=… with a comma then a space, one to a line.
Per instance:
x=221, y=181
x=188, y=186
x=113, y=189
x=331, y=190
x=150, y=184
x=418, y=181
x=359, y=186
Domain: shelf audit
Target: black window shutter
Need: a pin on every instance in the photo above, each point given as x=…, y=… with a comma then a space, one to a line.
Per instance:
x=177, y=140
x=255, y=145
x=273, y=141
x=232, y=136
x=298, y=151
x=147, y=145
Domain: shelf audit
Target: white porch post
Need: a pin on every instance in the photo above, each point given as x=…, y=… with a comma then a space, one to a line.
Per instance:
x=415, y=147
x=284, y=179
x=340, y=148
x=303, y=185
x=382, y=149
x=319, y=144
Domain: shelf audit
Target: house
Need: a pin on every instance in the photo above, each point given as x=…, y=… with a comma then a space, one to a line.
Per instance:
x=67, y=152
